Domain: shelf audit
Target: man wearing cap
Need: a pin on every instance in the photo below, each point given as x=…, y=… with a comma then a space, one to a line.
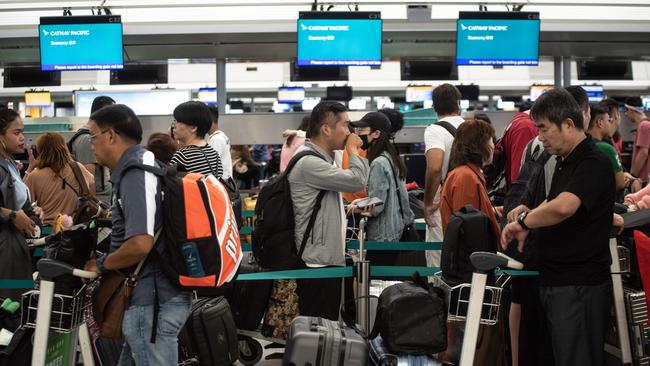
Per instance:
x=640, y=162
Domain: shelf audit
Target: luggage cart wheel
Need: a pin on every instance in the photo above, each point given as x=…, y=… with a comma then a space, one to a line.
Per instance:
x=250, y=351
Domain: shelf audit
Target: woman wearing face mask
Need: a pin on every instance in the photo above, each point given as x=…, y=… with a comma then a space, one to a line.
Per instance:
x=386, y=182
x=17, y=218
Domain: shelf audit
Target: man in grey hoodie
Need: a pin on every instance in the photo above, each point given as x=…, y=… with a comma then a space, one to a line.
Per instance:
x=328, y=130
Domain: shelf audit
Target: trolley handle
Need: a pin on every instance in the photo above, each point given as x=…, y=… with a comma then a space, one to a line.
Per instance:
x=485, y=261
x=51, y=269
x=47, y=239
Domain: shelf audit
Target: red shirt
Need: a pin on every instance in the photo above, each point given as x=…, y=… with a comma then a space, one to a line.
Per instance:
x=517, y=135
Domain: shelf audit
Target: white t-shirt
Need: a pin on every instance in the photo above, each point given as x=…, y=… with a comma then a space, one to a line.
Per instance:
x=437, y=137
x=221, y=143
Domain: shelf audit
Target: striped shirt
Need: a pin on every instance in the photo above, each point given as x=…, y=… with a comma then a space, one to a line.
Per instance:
x=195, y=159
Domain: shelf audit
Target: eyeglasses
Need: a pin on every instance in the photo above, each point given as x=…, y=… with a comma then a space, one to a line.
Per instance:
x=93, y=137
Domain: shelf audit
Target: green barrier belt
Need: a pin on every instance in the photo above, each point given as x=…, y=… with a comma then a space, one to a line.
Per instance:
x=248, y=214
x=245, y=247
x=387, y=245
x=401, y=271
x=245, y=230
x=20, y=284
x=420, y=226
x=38, y=252
x=311, y=273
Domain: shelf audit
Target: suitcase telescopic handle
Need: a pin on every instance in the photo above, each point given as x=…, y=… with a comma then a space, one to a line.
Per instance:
x=485, y=261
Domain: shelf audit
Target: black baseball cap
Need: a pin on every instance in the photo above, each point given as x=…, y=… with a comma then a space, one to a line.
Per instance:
x=374, y=120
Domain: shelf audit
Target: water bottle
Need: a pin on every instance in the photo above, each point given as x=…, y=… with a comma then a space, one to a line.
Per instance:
x=192, y=260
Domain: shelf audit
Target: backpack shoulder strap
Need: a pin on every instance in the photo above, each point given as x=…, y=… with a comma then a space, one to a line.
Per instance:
x=81, y=181
x=74, y=137
x=544, y=157
x=447, y=126
x=159, y=172
x=312, y=219
x=294, y=160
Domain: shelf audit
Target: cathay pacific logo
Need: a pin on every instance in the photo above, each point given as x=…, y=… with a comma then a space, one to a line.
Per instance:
x=331, y=28
x=46, y=33
x=497, y=28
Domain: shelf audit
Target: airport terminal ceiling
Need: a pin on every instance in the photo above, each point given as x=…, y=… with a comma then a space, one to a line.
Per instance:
x=265, y=31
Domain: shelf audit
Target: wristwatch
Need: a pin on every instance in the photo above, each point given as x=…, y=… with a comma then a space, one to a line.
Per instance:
x=520, y=220
x=12, y=216
x=100, y=264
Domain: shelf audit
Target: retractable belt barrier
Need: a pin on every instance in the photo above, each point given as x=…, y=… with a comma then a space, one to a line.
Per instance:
x=328, y=272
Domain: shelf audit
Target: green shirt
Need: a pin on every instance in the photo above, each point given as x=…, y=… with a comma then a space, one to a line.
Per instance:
x=611, y=154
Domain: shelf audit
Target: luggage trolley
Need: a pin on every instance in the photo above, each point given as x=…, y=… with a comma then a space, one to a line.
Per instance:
x=47, y=311
x=483, y=263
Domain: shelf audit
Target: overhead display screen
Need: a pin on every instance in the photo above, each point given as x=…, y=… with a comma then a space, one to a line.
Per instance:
x=207, y=95
x=38, y=99
x=537, y=90
x=596, y=93
x=419, y=93
x=291, y=95
x=81, y=43
x=339, y=38
x=497, y=38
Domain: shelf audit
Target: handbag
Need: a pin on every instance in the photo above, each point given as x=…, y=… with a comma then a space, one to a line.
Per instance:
x=110, y=301
x=111, y=298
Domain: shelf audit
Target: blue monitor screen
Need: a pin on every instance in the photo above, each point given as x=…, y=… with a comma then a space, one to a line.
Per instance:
x=339, y=39
x=81, y=43
x=497, y=38
x=596, y=93
x=291, y=95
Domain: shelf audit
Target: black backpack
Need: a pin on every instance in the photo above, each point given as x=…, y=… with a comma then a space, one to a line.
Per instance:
x=273, y=238
x=469, y=230
x=412, y=318
x=81, y=132
x=530, y=187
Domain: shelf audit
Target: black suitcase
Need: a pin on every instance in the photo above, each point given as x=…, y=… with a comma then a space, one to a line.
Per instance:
x=249, y=299
x=636, y=310
x=320, y=342
x=209, y=335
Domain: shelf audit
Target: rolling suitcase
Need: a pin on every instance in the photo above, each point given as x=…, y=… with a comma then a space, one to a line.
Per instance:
x=381, y=356
x=636, y=310
x=209, y=335
x=321, y=342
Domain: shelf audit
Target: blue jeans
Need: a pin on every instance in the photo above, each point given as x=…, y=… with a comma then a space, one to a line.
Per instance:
x=136, y=326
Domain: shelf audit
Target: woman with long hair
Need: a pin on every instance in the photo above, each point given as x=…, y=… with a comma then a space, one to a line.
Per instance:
x=17, y=217
x=391, y=220
x=53, y=182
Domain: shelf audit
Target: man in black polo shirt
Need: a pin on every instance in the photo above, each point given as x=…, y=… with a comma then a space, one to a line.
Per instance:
x=573, y=227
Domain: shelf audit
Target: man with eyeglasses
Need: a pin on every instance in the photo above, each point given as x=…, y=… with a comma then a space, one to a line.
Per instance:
x=602, y=127
x=115, y=136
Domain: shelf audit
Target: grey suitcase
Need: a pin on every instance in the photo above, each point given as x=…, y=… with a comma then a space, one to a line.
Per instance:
x=636, y=310
x=320, y=342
